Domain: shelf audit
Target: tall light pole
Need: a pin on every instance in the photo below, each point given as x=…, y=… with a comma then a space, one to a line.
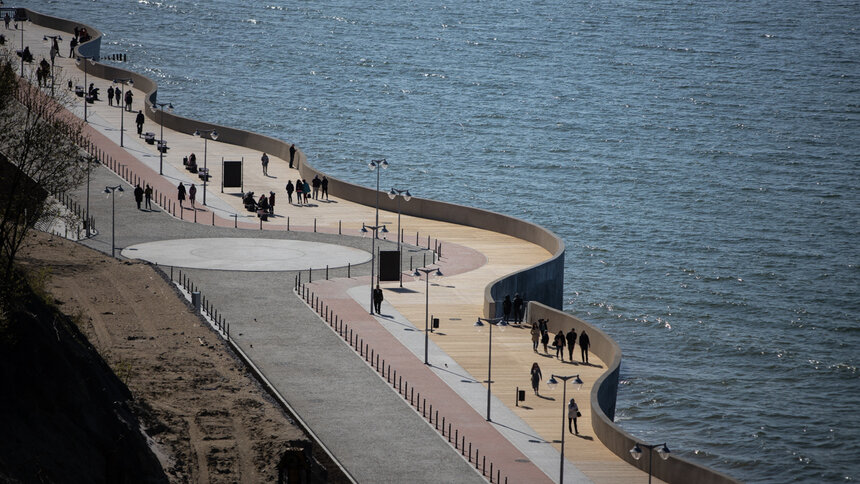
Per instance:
x=53, y=38
x=552, y=383
x=161, y=141
x=479, y=325
x=111, y=192
x=84, y=59
x=124, y=81
x=662, y=451
x=406, y=197
x=373, y=165
x=22, y=43
x=426, y=272
x=211, y=134
x=90, y=161
x=364, y=230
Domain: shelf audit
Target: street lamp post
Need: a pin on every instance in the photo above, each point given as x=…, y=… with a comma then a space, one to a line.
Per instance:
x=84, y=59
x=373, y=165
x=364, y=230
x=479, y=325
x=662, y=451
x=53, y=38
x=90, y=161
x=426, y=272
x=406, y=197
x=22, y=42
x=552, y=383
x=124, y=81
x=161, y=141
x=214, y=135
x=111, y=192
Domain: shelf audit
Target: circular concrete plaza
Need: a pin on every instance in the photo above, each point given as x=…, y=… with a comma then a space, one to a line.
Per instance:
x=245, y=254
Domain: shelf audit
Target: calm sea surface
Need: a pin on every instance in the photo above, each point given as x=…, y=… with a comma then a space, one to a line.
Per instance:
x=700, y=160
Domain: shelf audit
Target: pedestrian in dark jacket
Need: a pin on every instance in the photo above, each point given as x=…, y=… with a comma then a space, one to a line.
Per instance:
x=290, y=190
x=128, y=99
x=147, y=194
x=536, y=376
x=139, y=122
x=518, y=309
x=272, y=203
x=325, y=187
x=584, y=343
x=506, y=308
x=292, y=154
x=180, y=194
x=138, y=195
x=110, y=96
x=544, y=339
x=571, y=342
x=192, y=194
x=559, y=345
x=377, y=299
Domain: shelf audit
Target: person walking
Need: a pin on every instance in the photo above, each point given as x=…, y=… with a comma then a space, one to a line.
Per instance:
x=542, y=325
x=6, y=20
x=292, y=154
x=506, y=308
x=377, y=299
x=271, y=203
x=315, y=183
x=299, y=189
x=72, y=44
x=571, y=342
x=129, y=97
x=265, y=161
x=518, y=309
x=306, y=190
x=584, y=343
x=536, y=376
x=535, y=337
x=290, y=190
x=544, y=339
x=139, y=122
x=110, y=96
x=138, y=195
x=559, y=345
x=180, y=195
x=192, y=195
x=324, y=184
x=263, y=205
x=117, y=94
x=572, y=413
x=147, y=194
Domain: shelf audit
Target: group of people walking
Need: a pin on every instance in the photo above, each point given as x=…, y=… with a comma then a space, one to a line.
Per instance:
x=316, y=189
x=540, y=335
x=141, y=194
x=517, y=307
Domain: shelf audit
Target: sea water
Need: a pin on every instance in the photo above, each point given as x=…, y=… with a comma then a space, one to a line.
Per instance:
x=699, y=159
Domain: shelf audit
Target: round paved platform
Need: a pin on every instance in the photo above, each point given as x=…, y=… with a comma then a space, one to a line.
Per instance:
x=240, y=254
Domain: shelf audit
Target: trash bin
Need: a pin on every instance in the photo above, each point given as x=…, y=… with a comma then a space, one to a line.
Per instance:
x=195, y=300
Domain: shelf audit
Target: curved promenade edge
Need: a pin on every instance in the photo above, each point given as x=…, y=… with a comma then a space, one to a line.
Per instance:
x=541, y=284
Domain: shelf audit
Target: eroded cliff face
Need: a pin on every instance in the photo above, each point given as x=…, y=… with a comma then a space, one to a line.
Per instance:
x=64, y=414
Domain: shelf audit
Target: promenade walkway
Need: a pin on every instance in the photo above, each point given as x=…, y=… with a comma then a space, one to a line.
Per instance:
x=353, y=410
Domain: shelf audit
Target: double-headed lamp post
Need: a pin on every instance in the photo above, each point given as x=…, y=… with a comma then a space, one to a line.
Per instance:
x=426, y=272
x=52, y=38
x=111, y=192
x=406, y=197
x=211, y=134
x=83, y=59
x=661, y=449
x=552, y=383
x=161, y=141
x=375, y=228
x=373, y=165
x=124, y=81
x=90, y=162
x=479, y=326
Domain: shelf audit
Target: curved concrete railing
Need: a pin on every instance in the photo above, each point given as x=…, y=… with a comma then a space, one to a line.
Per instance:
x=542, y=282
x=603, y=397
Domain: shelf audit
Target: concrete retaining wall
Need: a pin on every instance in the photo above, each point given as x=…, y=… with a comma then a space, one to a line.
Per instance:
x=542, y=282
x=603, y=397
